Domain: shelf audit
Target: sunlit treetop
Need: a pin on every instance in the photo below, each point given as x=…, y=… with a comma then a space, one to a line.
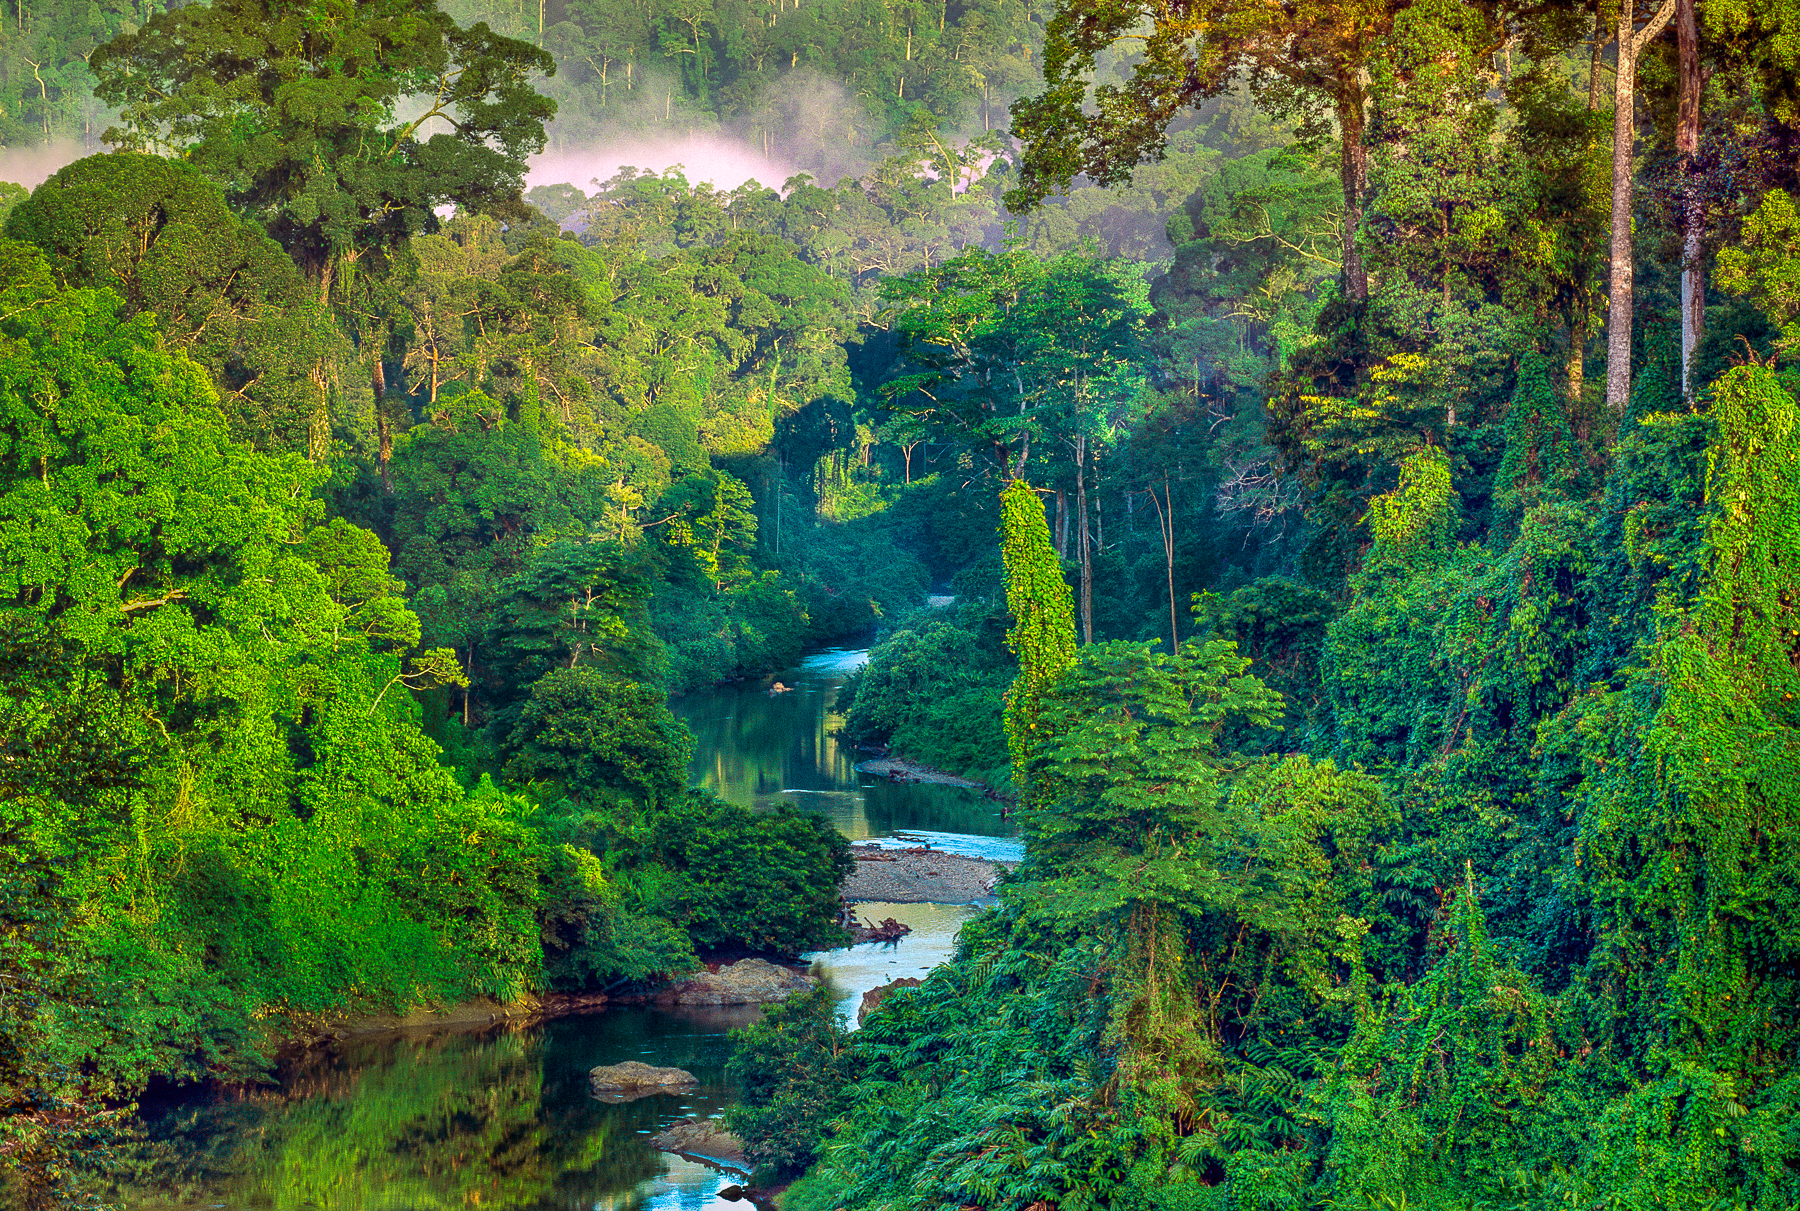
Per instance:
x=340, y=124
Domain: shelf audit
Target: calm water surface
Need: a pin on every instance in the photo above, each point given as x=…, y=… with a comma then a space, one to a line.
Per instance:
x=501, y=1118
x=764, y=749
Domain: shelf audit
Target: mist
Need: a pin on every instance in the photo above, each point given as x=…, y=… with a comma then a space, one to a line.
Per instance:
x=32, y=165
x=722, y=161
x=800, y=123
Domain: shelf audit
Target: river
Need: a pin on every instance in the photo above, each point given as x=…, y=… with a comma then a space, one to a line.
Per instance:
x=501, y=1117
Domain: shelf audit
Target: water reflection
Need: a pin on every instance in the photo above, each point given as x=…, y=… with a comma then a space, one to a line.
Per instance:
x=762, y=749
x=451, y=1119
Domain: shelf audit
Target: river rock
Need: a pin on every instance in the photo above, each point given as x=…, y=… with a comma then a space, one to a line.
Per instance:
x=631, y=1080
x=703, y=1138
x=746, y=982
x=873, y=998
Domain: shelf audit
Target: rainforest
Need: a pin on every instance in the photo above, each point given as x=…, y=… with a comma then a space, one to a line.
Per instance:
x=1330, y=470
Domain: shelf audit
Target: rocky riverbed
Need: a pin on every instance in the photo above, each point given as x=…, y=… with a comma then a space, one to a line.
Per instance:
x=921, y=876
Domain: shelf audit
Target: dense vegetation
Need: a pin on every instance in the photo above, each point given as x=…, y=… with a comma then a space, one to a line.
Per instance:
x=1392, y=644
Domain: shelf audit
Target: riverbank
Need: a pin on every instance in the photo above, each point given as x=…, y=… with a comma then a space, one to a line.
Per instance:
x=903, y=770
x=921, y=876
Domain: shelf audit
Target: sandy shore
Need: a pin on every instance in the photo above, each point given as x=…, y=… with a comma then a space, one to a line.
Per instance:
x=920, y=876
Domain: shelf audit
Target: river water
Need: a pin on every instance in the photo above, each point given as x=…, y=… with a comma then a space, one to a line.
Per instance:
x=501, y=1118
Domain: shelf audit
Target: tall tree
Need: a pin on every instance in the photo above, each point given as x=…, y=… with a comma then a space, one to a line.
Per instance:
x=294, y=109
x=1631, y=39
x=162, y=238
x=1308, y=60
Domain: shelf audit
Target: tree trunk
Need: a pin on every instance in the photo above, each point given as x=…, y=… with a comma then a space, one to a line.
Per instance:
x=1618, y=320
x=1165, y=522
x=1169, y=565
x=1687, y=146
x=1354, y=171
x=1085, y=545
x=1062, y=525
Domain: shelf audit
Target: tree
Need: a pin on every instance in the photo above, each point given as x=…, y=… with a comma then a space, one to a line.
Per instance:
x=160, y=236
x=294, y=111
x=1447, y=1088
x=1631, y=42
x=1766, y=264
x=597, y=735
x=792, y=1066
x=1308, y=59
x=1007, y=353
x=1693, y=216
x=1223, y=889
x=765, y=880
x=1540, y=461
x=229, y=675
x=575, y=603
x=1689, y=830
x=711, y=514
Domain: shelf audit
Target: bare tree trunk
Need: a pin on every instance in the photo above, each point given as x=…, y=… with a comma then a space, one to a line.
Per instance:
x=1687, y=146
x=1618, y=320
x=1062, y=525
x=1165, y=521
x=1354, y=170
x=1085, y=545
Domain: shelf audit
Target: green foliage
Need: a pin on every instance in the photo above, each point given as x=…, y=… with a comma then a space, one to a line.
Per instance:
x=1447, y=1087
x=791, y=1068
x=1687, y=827
x=540, y=480
x=1281, y=626
x=767, y=881
x=1043, y=631
x=1003, y=351
x=244, y=860
x=1117, y=1027
x=1539, y=464
x=1764, y=265
x=53, y=1124
x=1414, y=519
x=159, y=235
x=596, y=735
x=933, y=690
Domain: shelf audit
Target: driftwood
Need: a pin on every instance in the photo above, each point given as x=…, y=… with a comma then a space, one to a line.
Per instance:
x=887, y=930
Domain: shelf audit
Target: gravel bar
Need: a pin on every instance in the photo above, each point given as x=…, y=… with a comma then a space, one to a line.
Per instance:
x=921, y=876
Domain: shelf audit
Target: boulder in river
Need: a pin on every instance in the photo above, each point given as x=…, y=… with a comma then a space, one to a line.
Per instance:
x=746, y=982
x=703, y=1138
x=630, y=1080
x=873, y=998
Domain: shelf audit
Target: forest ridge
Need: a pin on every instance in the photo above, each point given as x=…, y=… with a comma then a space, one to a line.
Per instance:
x=1359, y=438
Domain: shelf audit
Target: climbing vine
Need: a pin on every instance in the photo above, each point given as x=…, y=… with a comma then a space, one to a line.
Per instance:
x=1043, y=611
